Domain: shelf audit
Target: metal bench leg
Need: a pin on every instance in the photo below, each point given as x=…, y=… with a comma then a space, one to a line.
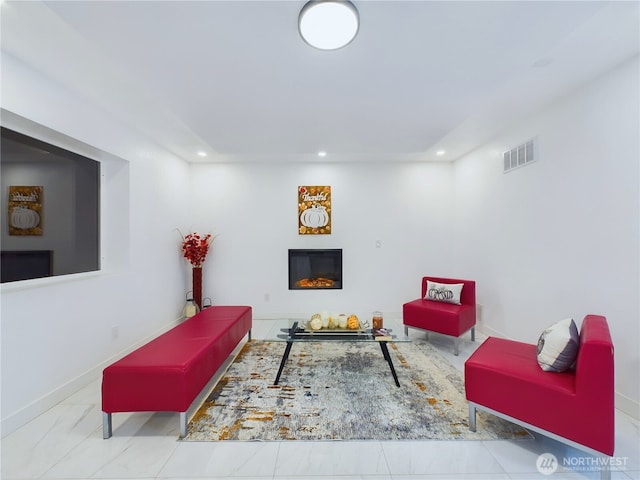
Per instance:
x=107, y=429
x=472, y=417
x=183, y=424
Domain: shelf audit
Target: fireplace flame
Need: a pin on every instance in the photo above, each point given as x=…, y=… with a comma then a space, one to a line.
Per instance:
x=315, y=283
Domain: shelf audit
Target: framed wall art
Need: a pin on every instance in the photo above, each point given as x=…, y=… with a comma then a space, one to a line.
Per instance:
x=314, y=210
x=25, y=210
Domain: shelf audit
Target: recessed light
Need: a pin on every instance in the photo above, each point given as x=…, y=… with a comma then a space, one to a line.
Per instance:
x=322, y=153
x=202, y=154
x=440, y=153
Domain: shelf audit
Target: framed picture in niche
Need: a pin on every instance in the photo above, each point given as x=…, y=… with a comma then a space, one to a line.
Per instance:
x=314, y=210
x=25, y=210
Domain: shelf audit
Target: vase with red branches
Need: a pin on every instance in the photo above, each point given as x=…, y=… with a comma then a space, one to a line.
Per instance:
x=195, y=248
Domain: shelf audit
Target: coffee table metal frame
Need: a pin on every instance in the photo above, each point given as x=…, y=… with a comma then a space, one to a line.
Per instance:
x=298, y=334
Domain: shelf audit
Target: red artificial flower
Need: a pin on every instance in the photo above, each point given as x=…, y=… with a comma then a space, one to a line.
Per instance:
x=195, y=248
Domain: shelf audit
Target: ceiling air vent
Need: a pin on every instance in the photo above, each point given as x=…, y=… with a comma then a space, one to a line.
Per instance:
x=519, y=156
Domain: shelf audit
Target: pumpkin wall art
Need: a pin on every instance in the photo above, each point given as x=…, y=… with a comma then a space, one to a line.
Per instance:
x=25, y=210
x=314, y=210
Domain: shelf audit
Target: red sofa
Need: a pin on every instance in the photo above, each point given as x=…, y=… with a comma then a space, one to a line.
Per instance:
x=169, y=372
x=444, y=318
x=575, y=407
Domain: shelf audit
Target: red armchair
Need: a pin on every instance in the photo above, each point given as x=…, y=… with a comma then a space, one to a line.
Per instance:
x=440, y=317
x=575, y=407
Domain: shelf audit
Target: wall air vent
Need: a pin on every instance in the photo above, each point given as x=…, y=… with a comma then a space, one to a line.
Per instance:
x=519, y=156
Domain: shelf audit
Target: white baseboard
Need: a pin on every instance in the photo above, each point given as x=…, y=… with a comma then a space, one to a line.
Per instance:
x=307, y=314
x=628, y=405
x=20, y=417
x=490, y=332
x=36, y=408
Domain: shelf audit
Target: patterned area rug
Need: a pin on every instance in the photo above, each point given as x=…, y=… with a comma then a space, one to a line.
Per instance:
x=342, y=391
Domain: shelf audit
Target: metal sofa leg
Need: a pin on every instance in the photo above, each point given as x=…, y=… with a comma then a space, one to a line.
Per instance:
x=472, y=417
x=107, y=429
x=406, y=331
x=473, y=333
x=456, y=346
x=605, y=472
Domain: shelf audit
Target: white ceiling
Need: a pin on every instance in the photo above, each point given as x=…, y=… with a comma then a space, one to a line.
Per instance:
x=234, y=78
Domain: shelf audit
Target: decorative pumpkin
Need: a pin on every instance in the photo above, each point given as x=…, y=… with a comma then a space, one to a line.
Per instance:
x=325, y=318
x=352, y=322
x=316, y=322
x=441, y=293
x=314, y=217
x=24, y=218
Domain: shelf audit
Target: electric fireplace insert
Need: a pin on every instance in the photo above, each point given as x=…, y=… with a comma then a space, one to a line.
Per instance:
x=315, y=269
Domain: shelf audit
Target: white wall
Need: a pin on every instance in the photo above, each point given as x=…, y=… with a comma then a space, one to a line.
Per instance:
x=572, y=249
x=253, y=208
x=559, y=238
x=58, y=333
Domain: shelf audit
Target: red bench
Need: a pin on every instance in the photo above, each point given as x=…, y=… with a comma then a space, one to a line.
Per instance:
x=168, y=373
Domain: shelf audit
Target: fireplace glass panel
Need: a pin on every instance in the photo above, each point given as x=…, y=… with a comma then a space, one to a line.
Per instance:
x=315, y=269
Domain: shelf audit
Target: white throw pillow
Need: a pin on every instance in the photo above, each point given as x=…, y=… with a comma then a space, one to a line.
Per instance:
x=558, y=346
x=444, y=292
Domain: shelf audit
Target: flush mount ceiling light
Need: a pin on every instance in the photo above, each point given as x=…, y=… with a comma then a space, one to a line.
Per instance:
x=328, y=24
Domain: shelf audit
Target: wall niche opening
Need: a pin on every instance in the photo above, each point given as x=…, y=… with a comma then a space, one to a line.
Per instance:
x=51, y=218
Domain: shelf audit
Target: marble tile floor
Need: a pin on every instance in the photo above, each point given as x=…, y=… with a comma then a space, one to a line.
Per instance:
x=66, y=443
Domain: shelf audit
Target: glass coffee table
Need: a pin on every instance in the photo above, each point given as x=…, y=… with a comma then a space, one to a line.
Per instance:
x=293, y=331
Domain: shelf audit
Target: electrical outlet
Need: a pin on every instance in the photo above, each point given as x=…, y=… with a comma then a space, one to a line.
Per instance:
x=115, y=332
x=267, y=297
